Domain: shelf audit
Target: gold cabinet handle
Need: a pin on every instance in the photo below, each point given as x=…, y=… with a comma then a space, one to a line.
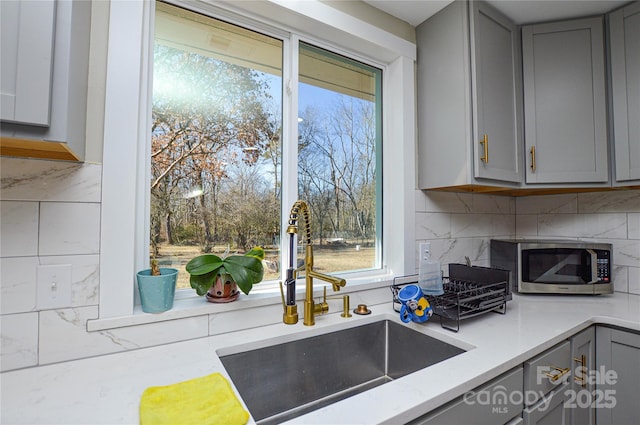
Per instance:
x=533, y=158
x=485, y=143
x=559, y=373
x=582, y=380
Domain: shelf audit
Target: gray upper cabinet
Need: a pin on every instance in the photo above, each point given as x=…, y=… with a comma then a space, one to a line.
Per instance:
x=496, y=77
x=469, y=86
x=624, y=48
x=27, y=59
x=565, y=102
x=45, y=68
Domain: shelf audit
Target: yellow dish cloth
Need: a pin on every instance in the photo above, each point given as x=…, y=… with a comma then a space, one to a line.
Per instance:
x=207, y=400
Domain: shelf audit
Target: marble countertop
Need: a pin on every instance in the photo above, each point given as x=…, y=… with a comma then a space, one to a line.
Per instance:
x=107, y=389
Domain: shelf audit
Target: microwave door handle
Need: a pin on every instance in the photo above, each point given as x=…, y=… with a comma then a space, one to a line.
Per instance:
x=594, y=266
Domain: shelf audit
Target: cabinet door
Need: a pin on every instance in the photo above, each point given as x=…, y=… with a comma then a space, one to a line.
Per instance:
x=444, y=98
x=496, y=77
x=550, y=410
x=583, y=353
x=624, y=41
x=456, y=107
x=564, y=102
x=27, y=60
x=618, y=355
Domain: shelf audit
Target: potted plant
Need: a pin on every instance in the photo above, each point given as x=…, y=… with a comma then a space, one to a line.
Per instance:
x=219, y=278
x=157, y=287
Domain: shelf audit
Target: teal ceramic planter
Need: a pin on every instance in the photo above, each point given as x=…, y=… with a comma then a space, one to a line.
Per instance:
x=156, y=292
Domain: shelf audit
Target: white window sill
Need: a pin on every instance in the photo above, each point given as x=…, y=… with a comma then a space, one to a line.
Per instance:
x=198, y=306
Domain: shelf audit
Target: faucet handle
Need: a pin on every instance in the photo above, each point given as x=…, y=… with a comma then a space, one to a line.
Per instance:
x=322, y=307
x=284, y=305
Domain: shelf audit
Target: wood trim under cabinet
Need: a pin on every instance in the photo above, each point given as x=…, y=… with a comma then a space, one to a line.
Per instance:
x=505, y=191
x=40, y=149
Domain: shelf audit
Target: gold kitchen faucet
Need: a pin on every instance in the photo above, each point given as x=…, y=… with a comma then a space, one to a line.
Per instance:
x=299, y=210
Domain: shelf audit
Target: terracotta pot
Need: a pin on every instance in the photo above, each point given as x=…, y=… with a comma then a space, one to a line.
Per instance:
x=224, y=290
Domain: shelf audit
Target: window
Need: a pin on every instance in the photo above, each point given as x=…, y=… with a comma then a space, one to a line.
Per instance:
x=124, y=236
x=339, y=145
x=217, y=146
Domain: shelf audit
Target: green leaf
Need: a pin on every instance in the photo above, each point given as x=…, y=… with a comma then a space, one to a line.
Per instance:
x=204, y=264
x=202, y=283
x=257, y=252
x=245, y=270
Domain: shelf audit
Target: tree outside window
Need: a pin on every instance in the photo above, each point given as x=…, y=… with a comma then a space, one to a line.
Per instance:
x=216, y=152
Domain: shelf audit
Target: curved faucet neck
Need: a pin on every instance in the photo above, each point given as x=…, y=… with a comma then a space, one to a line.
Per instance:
x=300, y=209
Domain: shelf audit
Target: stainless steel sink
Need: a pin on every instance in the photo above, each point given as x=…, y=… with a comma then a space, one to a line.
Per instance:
x=282, y=381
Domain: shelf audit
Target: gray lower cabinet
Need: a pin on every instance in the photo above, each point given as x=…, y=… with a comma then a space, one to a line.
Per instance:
x=618, y=386
x=594, y=377
x=624, y=51
x=565, y=102
x=495, y=403
x=583, y=355
x=469, y=95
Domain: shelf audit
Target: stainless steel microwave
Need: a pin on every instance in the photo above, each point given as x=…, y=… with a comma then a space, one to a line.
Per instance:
x=551, y=266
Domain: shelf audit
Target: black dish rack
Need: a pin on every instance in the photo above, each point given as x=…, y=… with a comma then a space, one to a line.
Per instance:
x=469, y=291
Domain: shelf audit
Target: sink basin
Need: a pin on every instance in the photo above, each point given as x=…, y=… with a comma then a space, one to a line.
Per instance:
x=285, y=380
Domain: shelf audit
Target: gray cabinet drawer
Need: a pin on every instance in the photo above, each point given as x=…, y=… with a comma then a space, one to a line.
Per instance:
x=488, y=404
x=550, y=410
x=556, y=362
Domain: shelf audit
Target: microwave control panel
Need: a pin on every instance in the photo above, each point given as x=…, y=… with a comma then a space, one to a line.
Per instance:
x=604, y=266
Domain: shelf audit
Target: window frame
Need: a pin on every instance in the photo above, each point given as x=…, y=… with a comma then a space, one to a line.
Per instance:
x=127, y=122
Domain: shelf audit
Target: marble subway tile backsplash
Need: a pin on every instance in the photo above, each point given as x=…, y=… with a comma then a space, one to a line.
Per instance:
x=602, y=202
x=633, y=229
x=19, y=224
x=50, y=215
x=462, y=224
x=596, y=225
x=18, y=289
x=35, y=180
x=555, y=204
x=68, y=228
x=19, y=340
x=85, y=282
x=64, y=336
x=609, y=217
